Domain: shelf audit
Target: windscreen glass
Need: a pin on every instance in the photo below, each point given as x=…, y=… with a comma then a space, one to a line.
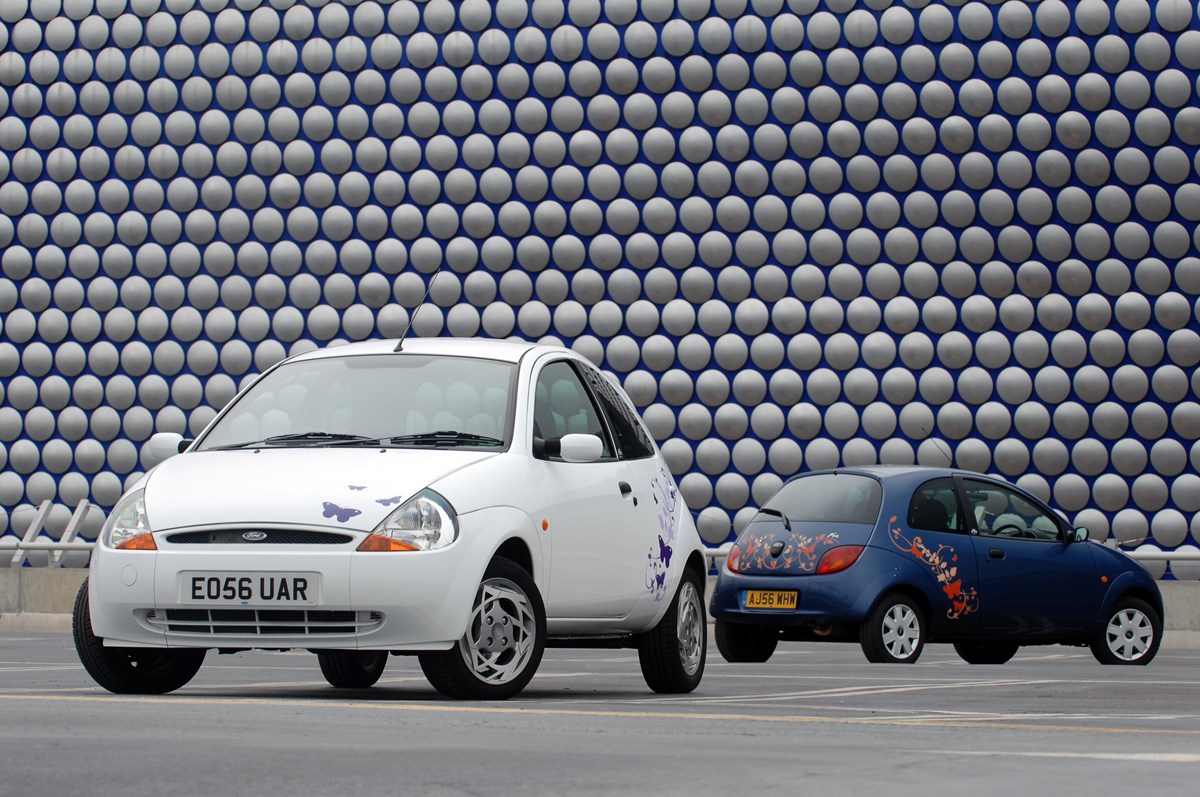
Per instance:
x=829, y=497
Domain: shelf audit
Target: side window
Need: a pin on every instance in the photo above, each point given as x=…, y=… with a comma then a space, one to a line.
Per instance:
x=561, y=406
x=1000, y=512
x=632, y=440
x=934, y=507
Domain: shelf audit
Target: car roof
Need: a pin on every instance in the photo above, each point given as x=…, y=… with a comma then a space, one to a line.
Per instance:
x=909, y=472
x=510, y=351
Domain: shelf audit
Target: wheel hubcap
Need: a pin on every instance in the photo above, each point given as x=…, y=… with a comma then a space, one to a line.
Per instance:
x=901, y=631
x=690, y=628
x=501, y=633
x=1130, y=634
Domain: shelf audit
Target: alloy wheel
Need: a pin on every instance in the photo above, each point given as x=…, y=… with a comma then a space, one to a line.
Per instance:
x=901, y=631
x=1130, y=634
x=501, y=633
x=691, y=628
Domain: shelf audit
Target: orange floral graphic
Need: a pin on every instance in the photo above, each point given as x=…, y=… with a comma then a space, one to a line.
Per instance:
x=800, y=552
x=944, y=563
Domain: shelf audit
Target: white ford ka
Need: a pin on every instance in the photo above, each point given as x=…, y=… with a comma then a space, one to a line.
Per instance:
x=464, y=501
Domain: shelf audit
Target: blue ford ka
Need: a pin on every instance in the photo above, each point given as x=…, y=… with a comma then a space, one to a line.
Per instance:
x=895, y=557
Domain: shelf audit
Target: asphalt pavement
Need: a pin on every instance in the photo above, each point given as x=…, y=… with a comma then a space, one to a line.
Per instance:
x=817, y=719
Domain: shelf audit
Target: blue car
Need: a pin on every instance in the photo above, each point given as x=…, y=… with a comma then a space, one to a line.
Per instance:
x=895, y=557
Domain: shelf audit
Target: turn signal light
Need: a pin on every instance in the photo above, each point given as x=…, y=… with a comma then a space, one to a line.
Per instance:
x=734, y=560
x=838, y=559
x=142, y=542
x=382, y=544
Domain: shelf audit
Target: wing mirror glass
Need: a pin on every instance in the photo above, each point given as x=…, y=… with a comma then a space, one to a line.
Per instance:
x=1080, y=534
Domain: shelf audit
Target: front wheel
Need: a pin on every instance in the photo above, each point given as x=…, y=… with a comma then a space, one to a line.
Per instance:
x=740, y=643
x=672, y=653
x=503, y=645
x=352, y=670
x=129, y=671
x=985, y=652
x=1130, y=636
x=894, y=633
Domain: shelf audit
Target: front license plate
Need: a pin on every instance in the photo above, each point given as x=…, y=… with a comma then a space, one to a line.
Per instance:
x=250, y=589
x=769, y=599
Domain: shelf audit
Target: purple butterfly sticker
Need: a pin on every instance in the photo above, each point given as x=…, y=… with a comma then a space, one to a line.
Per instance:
x=664, y=552
x=395, y=499
x=660, y=580
x=356, y=487
x=342, y=513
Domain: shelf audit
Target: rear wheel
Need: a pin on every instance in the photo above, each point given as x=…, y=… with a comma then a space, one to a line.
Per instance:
x=672, y=653
x=351, y=669
x=985, y=652
x=894, y=633
x=740, y=643
x=503, y=645
x=1131, y=635
x=129, y=671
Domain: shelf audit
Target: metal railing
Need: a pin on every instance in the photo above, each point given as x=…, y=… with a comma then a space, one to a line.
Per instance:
x=69, y=543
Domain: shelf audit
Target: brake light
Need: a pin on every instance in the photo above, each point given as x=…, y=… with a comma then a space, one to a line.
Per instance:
x=838, y=559
x=734, y=560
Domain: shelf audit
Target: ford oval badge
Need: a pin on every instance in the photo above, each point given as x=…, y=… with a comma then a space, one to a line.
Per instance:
x=254, y=536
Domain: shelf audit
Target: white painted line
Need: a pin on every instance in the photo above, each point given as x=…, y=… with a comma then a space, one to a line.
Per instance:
x=1152, y=758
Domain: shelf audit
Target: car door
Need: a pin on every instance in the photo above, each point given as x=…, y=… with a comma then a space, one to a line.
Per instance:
x=934, y=532
x=1032, y=582
x=595, y=568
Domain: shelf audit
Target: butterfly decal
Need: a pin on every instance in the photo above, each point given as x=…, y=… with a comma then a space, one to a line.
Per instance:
x=356, y=487
x=664, y=552
x=395, y=499
x=660, y=580
x=342, y=513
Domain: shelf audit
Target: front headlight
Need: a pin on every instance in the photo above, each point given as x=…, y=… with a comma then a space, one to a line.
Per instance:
x=424, y=523
x=127, y=527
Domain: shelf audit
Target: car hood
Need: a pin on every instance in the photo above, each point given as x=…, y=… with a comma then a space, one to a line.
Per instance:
x=802, y=545
x=343, y=488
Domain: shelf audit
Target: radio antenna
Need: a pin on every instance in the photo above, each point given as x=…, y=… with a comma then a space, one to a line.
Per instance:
x=939, y=444
x=412, y=319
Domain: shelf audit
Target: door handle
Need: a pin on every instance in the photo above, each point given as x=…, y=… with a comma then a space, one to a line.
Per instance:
x=625, y=489
x=996, y=553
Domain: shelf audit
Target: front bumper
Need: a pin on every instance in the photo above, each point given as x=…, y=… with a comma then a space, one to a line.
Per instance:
x=404, y=601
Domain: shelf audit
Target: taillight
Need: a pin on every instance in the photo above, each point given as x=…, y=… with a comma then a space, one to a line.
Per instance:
x=838, y=559
x=734, y=560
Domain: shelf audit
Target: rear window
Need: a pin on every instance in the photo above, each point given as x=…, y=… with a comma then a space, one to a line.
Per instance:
x=829, y=497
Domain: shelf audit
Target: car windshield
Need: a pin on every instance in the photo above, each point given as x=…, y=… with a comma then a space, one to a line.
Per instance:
x=829, y=497
x=402, y=400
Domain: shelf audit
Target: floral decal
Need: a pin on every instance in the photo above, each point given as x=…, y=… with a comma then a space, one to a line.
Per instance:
x=800, y=551
x=943, y=563
x=658, y=560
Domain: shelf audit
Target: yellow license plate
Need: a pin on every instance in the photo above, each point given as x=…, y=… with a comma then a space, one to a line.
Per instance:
x=770, y=599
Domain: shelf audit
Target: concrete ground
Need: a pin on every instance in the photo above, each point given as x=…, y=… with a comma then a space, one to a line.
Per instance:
x=815, y=719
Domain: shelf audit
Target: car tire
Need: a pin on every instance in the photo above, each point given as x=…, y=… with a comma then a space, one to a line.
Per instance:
x=740, y=643
x=1131, y=634
x=895, y=631
x=672, y=653
x=352, y=669
x=496, y=667
x=985, y=652
x=129, y=671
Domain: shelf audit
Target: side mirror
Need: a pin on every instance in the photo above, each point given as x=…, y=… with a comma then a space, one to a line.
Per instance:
x=1080, y=534
x=165, y=445
x=580, y=448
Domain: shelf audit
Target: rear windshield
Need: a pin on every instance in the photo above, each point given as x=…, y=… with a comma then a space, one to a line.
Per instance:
x=829, y=497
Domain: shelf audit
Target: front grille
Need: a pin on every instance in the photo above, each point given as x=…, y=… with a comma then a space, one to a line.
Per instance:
x=274, y=537
x=262, y=622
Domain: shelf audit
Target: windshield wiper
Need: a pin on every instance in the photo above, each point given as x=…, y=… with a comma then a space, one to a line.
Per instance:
x=444, y=436
x=787, y=524
x=313, y=438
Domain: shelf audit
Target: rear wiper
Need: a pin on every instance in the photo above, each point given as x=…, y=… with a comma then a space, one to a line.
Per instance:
x=444, y=436
x=766, y=510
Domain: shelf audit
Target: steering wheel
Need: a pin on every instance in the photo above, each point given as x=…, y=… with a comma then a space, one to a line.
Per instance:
x=1013, y=530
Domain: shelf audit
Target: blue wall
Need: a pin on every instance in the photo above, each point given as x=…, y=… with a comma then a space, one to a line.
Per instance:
x=801, y=233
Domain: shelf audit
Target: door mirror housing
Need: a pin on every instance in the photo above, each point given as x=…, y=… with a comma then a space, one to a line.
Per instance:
x=165, y=445
x=1079, y=534
x=580, y=448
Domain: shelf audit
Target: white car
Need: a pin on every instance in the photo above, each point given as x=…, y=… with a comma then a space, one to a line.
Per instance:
x=466, y=501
